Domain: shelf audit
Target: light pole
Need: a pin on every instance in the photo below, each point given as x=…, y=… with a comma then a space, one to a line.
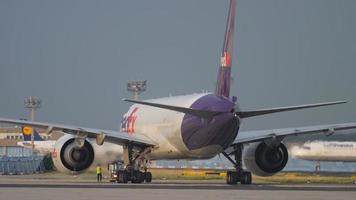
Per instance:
x=136, y=88
x=32, y=103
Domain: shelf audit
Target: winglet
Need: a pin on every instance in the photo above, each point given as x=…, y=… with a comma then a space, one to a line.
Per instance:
x=245, y=114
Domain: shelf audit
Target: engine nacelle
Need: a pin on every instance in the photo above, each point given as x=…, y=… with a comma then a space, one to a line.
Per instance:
x=67, y=156
x=264, y=160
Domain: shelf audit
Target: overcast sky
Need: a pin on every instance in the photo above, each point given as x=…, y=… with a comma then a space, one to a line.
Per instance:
x=78, y=55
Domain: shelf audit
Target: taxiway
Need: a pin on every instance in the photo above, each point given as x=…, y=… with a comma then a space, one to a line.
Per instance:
x=58, y=189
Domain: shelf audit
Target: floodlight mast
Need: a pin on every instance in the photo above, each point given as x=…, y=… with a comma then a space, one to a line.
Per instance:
x=136, y=87
x=32, y=103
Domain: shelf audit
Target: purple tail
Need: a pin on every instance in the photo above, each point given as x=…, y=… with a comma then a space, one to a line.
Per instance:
x=224, y=74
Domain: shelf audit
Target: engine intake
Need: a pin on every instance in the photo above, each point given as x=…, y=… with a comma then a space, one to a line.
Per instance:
x=264, y=160
x=75, y=158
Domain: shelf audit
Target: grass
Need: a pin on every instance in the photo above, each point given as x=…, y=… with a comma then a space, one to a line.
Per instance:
x=183, y=174
x=295, y=177
x=279, y=178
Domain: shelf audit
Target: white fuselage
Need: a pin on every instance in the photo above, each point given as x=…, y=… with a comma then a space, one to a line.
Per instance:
x=162, y=126
x=325, y=151
x=43, y=147
x=165, y=127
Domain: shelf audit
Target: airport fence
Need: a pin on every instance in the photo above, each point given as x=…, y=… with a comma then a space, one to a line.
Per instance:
x=18, y=160
x=21, y=165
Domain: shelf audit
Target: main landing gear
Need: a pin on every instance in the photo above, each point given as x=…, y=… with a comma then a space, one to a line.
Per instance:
x=238, y=175
x=132, y=172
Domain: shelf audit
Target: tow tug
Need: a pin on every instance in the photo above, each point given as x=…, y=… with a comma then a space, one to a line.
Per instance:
x=119, y=174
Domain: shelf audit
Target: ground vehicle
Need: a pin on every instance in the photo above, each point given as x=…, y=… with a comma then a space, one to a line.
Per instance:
x=112, y=169
x=119, y=174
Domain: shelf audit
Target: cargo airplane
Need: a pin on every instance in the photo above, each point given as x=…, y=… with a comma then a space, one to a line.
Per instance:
x=196, y=126
x=39, y=144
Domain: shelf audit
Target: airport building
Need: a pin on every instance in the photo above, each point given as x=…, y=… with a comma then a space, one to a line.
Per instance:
x=15, y=159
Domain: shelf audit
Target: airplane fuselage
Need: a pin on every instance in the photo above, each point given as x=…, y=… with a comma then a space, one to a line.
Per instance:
x=326, y=151
x=181, y=135
x=43, y=147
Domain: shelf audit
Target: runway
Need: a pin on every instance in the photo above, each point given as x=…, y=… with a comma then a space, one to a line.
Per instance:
x=19, y=189
x=182, y=186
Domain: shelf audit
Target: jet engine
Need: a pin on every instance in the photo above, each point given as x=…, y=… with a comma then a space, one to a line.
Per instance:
x=265, y=160
x=67, y=156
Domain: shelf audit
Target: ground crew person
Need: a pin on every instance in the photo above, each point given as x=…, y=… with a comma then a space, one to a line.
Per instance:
x=98, y=173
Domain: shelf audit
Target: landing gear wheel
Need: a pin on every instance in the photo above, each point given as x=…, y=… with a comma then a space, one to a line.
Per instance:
x=231, y=177
x=148, y=177
x=228, y=177
x=246, y=178
x=123, y=177
x=138, y=177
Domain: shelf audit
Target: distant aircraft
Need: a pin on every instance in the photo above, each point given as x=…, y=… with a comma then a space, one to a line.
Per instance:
x=102, y=154
x=27, y=134
x=325, y=151
x=196, y=126
x=40, y=145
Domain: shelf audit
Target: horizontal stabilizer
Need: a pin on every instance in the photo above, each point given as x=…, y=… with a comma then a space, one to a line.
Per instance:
x=199, y=113
x=246, y=114
x=280, y=134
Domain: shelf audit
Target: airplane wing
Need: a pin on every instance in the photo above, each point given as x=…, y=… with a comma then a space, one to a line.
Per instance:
x=110, y=136
x=280, y=134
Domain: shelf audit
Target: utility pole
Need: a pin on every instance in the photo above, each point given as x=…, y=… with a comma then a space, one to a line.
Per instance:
x=32, y=103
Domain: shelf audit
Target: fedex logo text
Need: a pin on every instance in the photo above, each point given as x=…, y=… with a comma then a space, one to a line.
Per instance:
x=128, y=122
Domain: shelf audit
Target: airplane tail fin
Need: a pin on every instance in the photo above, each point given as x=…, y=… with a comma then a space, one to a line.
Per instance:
x=224, y=74
x=27, y=132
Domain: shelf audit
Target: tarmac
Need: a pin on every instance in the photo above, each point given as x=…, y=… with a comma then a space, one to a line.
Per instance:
x=22, y=187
